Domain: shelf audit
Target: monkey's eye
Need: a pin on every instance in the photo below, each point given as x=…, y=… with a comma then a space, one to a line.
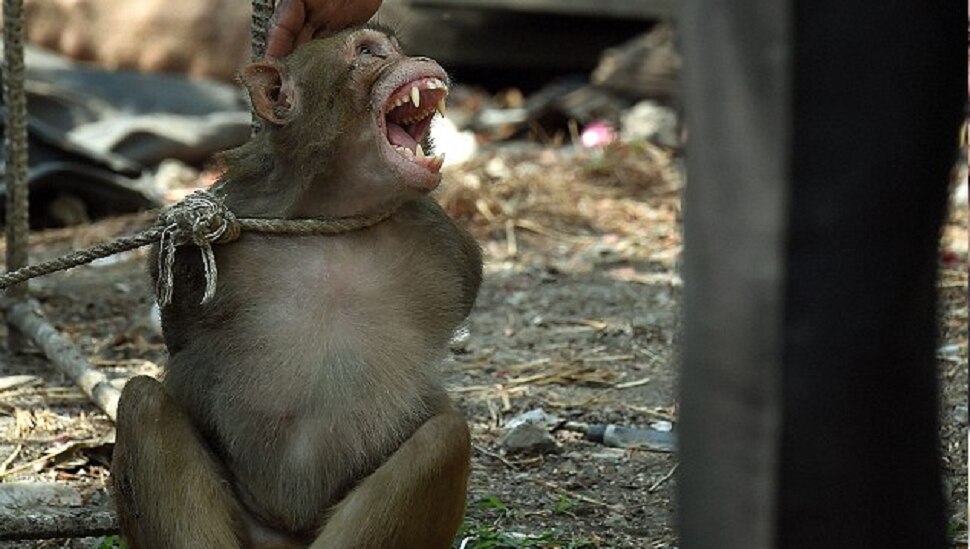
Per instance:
x=364, y=49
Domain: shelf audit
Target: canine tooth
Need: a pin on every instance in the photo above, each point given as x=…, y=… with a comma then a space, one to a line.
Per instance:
x=416, y=96
x=441, y=106
x=419, y=152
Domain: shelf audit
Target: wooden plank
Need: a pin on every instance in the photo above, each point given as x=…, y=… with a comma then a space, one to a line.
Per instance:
x=619, y=9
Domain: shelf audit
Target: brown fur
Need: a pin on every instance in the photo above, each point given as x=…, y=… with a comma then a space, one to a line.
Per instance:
x=301, y=406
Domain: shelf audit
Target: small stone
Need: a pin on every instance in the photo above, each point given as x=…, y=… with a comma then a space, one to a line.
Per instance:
x=531, y=439
x=459, y=340
x=960, y=414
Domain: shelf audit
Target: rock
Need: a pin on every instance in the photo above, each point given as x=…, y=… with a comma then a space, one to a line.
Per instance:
x=459, y=339
x=530, y=439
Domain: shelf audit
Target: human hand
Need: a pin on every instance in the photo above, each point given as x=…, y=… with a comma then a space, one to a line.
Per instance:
x=296, y=21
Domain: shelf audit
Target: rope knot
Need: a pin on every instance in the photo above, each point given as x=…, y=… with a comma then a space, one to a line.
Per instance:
x=201, y=219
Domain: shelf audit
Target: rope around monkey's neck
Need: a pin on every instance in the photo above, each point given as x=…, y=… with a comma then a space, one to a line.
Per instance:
x=201, y=219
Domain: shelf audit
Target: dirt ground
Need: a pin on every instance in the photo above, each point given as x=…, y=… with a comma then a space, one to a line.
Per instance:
x=578, y=316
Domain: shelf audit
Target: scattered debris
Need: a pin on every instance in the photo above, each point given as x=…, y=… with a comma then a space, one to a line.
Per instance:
x=597, y=134
x=653, y=487
x=10, y=382
x=653, y=122
x=647, y=66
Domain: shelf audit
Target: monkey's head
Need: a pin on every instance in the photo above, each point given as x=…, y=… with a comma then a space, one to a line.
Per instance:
x=354, y=110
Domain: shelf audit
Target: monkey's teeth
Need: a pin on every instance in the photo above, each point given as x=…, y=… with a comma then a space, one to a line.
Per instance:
x=434, y=163
x=416, y=96
x=400, y=101
x=419, y=152
x=436, y=84
x=440, y=107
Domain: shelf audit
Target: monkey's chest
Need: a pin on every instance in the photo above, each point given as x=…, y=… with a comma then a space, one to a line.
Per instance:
x=331, y=369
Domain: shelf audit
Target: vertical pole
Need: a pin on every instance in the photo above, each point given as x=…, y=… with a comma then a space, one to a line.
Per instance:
x=262, y=12
x=737, y=77
x=15, y=144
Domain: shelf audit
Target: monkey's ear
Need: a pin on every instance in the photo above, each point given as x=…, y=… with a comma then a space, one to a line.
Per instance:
x=270, y=99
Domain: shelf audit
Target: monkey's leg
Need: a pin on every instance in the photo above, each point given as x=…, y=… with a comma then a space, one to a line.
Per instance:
x=415, y=500
x=168, y=488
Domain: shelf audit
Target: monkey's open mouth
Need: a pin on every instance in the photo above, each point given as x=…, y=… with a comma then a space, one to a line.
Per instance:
x=407, y=118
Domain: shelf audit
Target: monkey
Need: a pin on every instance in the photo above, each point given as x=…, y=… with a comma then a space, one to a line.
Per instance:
x=301, y=406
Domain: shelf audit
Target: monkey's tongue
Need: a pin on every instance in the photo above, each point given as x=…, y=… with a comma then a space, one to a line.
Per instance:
x=408, y=147
x=396, y=135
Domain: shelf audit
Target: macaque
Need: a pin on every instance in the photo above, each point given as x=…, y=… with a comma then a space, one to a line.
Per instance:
x=301, y=406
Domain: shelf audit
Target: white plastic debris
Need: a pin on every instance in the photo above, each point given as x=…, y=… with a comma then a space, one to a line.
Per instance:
x=458, y=146
x=536, y=416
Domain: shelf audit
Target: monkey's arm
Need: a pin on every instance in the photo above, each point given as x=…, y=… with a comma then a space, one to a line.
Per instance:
x=416, y=499
x=461, y=248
